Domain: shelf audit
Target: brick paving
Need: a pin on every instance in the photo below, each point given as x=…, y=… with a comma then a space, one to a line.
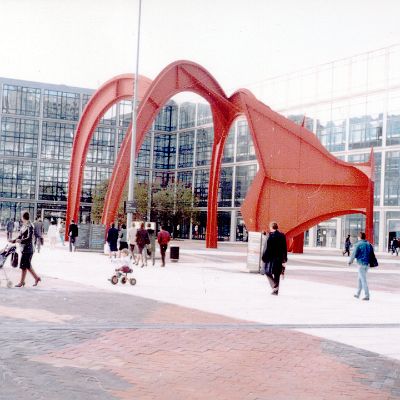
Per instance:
x=68, y=341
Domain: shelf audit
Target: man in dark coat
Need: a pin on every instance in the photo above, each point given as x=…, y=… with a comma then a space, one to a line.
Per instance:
x=10, y=229
x=275, y=256
x=73, y=234
x=112, y=240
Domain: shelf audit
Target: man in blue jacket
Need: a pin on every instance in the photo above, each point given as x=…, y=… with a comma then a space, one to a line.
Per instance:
x=363, y=252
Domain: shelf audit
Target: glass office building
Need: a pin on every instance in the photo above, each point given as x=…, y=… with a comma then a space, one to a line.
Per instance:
x=351, y=105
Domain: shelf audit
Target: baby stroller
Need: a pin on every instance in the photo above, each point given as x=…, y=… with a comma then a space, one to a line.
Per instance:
x=10, y=249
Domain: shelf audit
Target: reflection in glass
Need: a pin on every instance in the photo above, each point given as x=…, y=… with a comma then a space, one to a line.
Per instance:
x=17, y=179
x=245, y=175
x=53, y=181
x=186, y=149
x=19, y=137
x=164, y=151
x=392, y=178
x=21, y=100
x=245, y=146
x=204, y=145
x=57, y=139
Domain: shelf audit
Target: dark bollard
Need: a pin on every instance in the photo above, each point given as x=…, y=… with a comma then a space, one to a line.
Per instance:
x=174, y=253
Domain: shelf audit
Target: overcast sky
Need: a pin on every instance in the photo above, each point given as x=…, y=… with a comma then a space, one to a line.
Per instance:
x=86, y=42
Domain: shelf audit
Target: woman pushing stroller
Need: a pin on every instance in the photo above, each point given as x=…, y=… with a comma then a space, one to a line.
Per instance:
x=25, y=239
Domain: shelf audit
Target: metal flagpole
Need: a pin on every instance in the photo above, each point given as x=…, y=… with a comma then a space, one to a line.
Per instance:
x=131, y=207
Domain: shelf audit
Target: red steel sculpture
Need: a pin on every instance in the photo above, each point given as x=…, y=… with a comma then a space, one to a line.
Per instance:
x=299, y=183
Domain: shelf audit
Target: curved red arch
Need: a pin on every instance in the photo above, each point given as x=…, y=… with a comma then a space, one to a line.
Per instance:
x=114, y=90
x=298, y=179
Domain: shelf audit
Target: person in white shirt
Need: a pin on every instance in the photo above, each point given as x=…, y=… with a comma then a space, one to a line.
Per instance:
x=132, y=240
x=53, y=234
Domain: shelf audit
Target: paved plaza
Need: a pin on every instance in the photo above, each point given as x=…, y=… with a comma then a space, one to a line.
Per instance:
x=202, y=328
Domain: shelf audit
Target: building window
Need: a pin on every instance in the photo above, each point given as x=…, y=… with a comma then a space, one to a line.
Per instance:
x=101, y=149
x=364, y=157
x=164, y=151
x=166, y=119
x=61, y=105
x=92, y=177
x=143, y=158
x=366, y=122
x=21, y=100
x=17, y=179
x=244, y=177
x=245, y=146
x=85, y=99
x=162, y=179
x=204, y=145
x=201, y=186
x=225, y=187
x=229, y=148
x=392, y=178
x=53, y=184
x=186, y=149
x=125, y=113
x=12, y=210
x=224, y=225
x=187, y=115
x=57, y=139
x=204, y=115
x=19, y=137
x=393, y=120
x=185, y=178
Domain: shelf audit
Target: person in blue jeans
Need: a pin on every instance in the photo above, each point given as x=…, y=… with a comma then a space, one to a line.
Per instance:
x=362, y=252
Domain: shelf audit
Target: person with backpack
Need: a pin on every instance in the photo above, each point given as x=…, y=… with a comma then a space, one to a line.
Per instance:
x=364, y=254
x=163, y=238
x=142, y=239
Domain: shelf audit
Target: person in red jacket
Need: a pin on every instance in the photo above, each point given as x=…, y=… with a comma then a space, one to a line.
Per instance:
x=163, y=238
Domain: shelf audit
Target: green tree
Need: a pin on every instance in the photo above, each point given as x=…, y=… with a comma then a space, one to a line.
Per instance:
x=169, y=205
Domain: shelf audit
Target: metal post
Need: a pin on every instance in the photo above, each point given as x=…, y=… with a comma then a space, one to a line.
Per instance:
x=131, y=188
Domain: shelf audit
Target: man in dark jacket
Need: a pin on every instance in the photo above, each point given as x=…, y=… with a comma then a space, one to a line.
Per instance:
x=73, y=234
x=275, y=256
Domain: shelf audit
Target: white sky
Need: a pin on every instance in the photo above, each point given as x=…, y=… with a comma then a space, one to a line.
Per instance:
x=86, y=42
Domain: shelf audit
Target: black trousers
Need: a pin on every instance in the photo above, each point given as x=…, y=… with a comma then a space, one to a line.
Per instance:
x=163, y=250
x=274, y=279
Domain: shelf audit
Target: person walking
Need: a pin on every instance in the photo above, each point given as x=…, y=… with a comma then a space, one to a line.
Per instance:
x=10, y=229
x=112, y=240
x=395, y=246
x=52, y=234
x=38, y=231
x=61, y=232
x=25, y=239
x=275, y=257
x=364, y=253
x=142, y=239
x=72, y=234
x=347, y=245
x=132, y=240
x=163, y=238
x=123, y=239
x=152, y=245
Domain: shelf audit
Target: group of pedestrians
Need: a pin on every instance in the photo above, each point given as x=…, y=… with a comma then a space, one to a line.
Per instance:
x=274, y=257
x=140, y=242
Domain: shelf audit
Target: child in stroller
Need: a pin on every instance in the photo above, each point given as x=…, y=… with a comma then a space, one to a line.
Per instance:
x=124, y=268
x=10, y=249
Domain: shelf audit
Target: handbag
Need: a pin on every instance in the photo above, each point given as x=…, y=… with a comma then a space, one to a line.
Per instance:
x=14, y=260
x=373, y=262
x=148, y=249
x=106, y=248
